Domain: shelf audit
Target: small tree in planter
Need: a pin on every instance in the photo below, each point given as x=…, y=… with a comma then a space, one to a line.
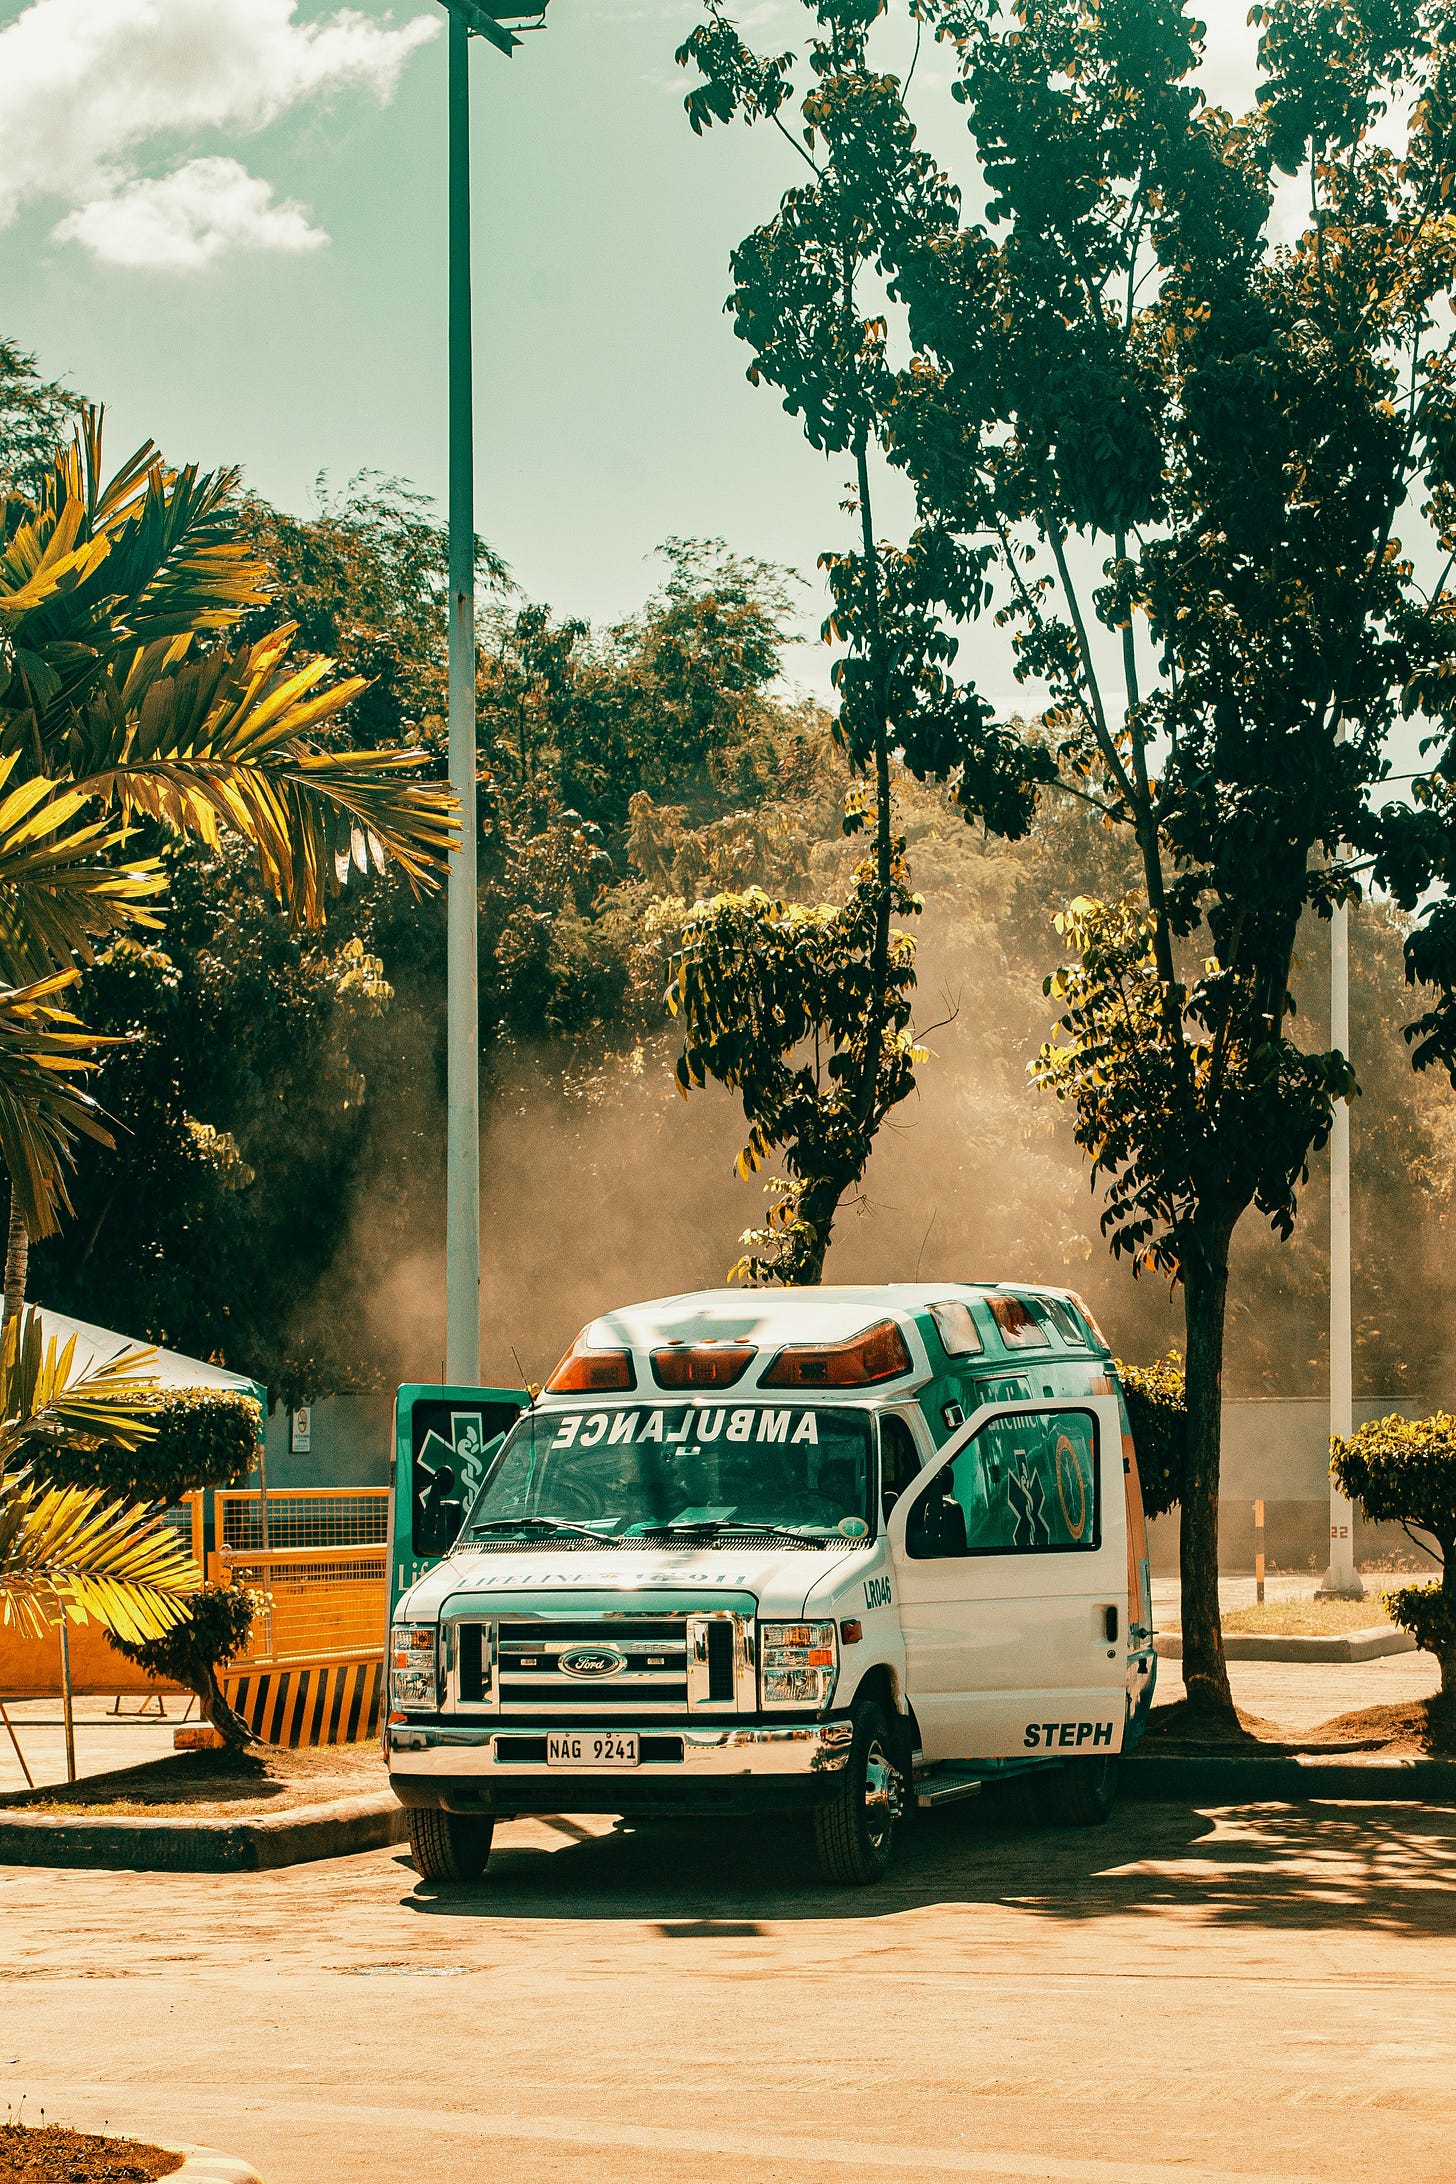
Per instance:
x=202, y=1438
x=214, y=1633
x=1403, y=1471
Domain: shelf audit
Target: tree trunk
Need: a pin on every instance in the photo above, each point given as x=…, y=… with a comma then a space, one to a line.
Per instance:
x=1205, y=1295
x=229, y=1724
x=17, y=1260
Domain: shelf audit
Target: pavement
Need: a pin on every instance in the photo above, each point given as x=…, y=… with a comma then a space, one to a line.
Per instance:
x=1299, y=1695
x=103, y=1740
x=1181, y=1997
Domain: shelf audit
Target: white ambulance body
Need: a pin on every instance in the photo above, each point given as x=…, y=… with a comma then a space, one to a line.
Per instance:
x=837, y=1550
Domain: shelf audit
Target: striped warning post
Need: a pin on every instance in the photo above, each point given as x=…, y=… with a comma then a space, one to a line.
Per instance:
x=315, y=1702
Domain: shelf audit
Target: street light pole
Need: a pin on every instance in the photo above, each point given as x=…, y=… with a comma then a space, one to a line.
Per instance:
x=462, y=1096
x=1340, y=1580
x=484, y=19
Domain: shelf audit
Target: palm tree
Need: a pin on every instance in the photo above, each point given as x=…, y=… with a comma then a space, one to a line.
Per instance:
x=126, y=695
x=128, y=698
x=68, y=1550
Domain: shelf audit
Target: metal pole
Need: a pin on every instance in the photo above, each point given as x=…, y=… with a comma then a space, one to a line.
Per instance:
x=1259, y=1552
x=462, y=1133
x=67, y=1706
x=1340, y=1579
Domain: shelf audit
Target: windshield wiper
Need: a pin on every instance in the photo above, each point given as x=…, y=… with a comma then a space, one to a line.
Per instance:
x=716, y=1527
x=544, y=1525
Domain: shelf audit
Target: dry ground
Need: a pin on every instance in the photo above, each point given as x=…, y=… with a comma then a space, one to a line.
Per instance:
x=1181, y=1997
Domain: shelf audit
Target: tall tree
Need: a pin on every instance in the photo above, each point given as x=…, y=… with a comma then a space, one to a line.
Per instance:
x=1178, y=449
x=122, y=699
x=808, y=301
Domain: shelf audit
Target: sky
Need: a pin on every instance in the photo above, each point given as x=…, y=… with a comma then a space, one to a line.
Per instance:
x=226, y=220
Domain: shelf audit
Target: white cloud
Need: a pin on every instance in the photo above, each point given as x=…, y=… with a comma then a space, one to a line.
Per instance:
x=88, y=86
x=188, y=219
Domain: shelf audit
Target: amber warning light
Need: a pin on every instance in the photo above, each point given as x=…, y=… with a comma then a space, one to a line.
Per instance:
x=701, y=1364
x=878, y=1354
x=591, y=1372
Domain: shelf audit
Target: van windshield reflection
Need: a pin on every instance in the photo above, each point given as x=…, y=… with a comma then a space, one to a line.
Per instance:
x=681, y=1470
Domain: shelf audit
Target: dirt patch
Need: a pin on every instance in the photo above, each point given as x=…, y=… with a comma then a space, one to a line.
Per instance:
x=1307, y=1618
x=49, y=2154
x=1424, y=1726
x=1179, y=1732
x=215, y=1785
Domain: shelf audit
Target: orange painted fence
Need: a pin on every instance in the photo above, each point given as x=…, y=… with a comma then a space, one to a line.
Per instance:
x=313, y=1669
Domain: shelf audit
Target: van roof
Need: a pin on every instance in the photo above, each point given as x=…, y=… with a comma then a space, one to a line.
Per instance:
x=769, y=1318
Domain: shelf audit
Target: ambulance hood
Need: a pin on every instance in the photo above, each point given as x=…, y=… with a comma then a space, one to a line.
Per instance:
x=670, y=1579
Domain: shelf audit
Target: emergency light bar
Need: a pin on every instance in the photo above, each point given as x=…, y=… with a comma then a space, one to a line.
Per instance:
x=701, y=1364
x=878, y=1354
x=592, y=1372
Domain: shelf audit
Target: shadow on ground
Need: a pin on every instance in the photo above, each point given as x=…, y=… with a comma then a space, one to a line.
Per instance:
x=1380, y=1868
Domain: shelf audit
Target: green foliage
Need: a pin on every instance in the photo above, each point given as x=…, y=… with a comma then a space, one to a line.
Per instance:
x=214, y=1632
x=1175, y=1120
x=1403, y=1471
x=201, y=1437
x=788, y=1007
x=1157, y=1411
x=36, y=416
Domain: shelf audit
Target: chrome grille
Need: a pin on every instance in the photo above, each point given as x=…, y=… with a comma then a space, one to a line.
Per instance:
x=601, y=1668
x=533, y=1681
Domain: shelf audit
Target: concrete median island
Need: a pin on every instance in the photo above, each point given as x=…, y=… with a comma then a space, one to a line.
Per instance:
x=202, y=1812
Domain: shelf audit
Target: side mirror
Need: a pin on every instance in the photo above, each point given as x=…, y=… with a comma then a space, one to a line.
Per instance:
x=452, y=1516
x=444, y=1482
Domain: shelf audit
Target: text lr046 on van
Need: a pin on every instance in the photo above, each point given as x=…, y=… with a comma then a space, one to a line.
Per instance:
x=836, y=1552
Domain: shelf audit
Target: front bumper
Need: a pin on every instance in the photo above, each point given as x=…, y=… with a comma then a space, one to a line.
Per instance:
x=720, y=1770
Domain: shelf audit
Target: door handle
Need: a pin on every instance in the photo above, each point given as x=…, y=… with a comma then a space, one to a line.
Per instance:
x=1109, y=1625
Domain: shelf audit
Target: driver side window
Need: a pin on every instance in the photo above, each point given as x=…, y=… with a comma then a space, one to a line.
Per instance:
x=1027, y=1483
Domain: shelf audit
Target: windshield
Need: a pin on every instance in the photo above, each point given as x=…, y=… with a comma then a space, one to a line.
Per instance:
x=670, y=1469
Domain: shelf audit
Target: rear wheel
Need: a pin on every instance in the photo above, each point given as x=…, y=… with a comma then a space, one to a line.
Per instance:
x=854, y=1833
x=1081, y=1793
x=448, y=1846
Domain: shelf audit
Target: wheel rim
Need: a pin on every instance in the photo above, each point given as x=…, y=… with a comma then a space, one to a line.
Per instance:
x=881, y=1795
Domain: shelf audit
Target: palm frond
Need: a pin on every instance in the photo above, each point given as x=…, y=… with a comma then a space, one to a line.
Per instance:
x=225, y=741
x=60, y=890
x=43, y=1108
x=70, y=1551
x=44, y=1399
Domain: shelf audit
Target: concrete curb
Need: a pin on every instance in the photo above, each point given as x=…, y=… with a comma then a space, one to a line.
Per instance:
x=1352, y=1645
x=1155, y=1779
x=204, y=2165
x=335, y=1830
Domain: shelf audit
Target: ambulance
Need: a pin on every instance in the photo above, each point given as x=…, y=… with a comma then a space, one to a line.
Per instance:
x=840, y=1552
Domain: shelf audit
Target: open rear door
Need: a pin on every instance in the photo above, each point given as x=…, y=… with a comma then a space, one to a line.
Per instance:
x=445, y=1440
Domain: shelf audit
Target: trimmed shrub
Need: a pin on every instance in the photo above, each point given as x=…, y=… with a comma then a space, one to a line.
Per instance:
x=204, y=1437
x=1403, y=1471
x=1157, y=1415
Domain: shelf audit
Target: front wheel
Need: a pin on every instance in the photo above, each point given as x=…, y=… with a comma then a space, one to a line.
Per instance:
x=448, y=1846
x=855, y=1832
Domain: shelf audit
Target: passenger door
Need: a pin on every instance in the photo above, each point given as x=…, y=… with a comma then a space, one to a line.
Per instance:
x=444, y=1442
x=1010, y=1556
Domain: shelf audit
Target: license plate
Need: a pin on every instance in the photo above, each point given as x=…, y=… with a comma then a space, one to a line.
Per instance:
x=604, y=1748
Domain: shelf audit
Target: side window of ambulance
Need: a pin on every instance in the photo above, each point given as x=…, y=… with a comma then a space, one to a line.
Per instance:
x=899, y=1460
x=1027, y=1484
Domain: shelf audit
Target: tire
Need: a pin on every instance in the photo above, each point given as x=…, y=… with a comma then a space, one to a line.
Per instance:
x=1080, y=1793
x=448, y=1846
x=854, y=1833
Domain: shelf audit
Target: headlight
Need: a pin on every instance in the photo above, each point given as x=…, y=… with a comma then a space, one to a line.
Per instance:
x=412, y=1667
x=798, y=1663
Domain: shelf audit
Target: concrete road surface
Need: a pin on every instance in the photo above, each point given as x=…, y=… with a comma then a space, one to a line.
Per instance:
x=1178, y=1998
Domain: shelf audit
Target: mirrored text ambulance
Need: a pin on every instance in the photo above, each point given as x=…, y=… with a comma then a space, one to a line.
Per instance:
x=835, y=1550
